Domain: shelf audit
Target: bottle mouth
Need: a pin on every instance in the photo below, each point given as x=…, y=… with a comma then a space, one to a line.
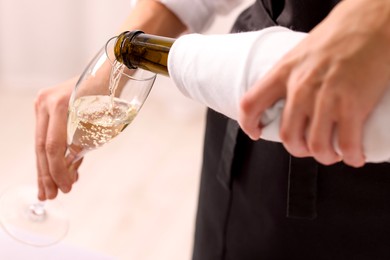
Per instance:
x=122, y=46
x=130, y=73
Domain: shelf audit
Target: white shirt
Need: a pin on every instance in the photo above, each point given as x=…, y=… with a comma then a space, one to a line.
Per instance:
x=197, y=15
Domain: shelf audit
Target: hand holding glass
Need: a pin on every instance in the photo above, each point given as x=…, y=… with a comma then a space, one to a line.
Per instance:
x=106, y=99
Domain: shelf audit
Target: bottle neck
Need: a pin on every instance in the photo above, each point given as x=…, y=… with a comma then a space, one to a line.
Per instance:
x=136, y=49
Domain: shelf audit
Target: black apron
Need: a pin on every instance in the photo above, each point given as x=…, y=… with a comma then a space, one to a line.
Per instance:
x=258, y=202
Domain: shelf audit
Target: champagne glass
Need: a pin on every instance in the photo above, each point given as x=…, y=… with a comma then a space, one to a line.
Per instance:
x=105, y=100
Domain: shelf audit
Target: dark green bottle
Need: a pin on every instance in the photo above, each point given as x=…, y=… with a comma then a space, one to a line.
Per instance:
x=135, y=49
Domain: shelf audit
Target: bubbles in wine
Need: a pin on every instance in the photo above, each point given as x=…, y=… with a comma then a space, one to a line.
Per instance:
x=95, y=120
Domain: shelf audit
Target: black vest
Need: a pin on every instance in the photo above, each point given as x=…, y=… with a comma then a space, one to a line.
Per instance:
x=258, y=202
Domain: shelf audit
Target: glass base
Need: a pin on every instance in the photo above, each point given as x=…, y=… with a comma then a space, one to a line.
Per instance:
x=30, y=221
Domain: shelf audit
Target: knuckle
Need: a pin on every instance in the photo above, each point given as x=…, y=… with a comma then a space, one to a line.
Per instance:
x=46, y=181
x=294, y=147
x=316, y=147
x=51, y=148
x=285, y=135
x=40, y=98
x=40, y=145
x=347, y=148
x=48, y=99
x=322, y=153
x=246, y=105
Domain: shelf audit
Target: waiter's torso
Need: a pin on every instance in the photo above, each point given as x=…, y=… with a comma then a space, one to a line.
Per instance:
x=258, y=202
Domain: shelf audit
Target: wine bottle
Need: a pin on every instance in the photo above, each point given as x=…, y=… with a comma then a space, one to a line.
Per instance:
x=136, y=49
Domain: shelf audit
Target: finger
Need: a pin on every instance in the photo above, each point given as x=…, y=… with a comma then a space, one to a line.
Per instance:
x=47, y=187
x=55, y=149
x=76, y=165
x=264, y=94
x=293, y=129
x=74, y=168
x=41, y=190
x=321, y=134
x=75, y=176
x=350, y=135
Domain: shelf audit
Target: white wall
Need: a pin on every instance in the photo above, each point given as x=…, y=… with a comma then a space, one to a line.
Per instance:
x=43, y=42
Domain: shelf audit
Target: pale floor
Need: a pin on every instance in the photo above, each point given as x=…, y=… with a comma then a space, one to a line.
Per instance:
x=136, y=197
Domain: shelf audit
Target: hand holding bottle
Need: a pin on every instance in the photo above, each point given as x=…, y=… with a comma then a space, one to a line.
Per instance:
x=226, y=78
x=331, y=81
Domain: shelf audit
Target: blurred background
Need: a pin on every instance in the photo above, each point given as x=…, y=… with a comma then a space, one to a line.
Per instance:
x=136, y=197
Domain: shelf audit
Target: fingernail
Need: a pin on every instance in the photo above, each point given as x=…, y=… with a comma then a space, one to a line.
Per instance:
x=41, y=195
x=50, y=194
x=65, y=188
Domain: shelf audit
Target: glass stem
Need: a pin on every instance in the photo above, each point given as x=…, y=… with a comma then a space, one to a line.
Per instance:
x=37, y=211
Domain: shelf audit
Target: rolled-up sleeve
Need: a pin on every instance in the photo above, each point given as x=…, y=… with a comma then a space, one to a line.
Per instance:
x=197, y=15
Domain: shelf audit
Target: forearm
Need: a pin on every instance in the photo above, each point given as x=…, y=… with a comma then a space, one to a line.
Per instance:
x=153, y=17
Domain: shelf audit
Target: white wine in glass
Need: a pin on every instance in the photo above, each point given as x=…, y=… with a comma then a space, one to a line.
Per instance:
x=105, y=100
